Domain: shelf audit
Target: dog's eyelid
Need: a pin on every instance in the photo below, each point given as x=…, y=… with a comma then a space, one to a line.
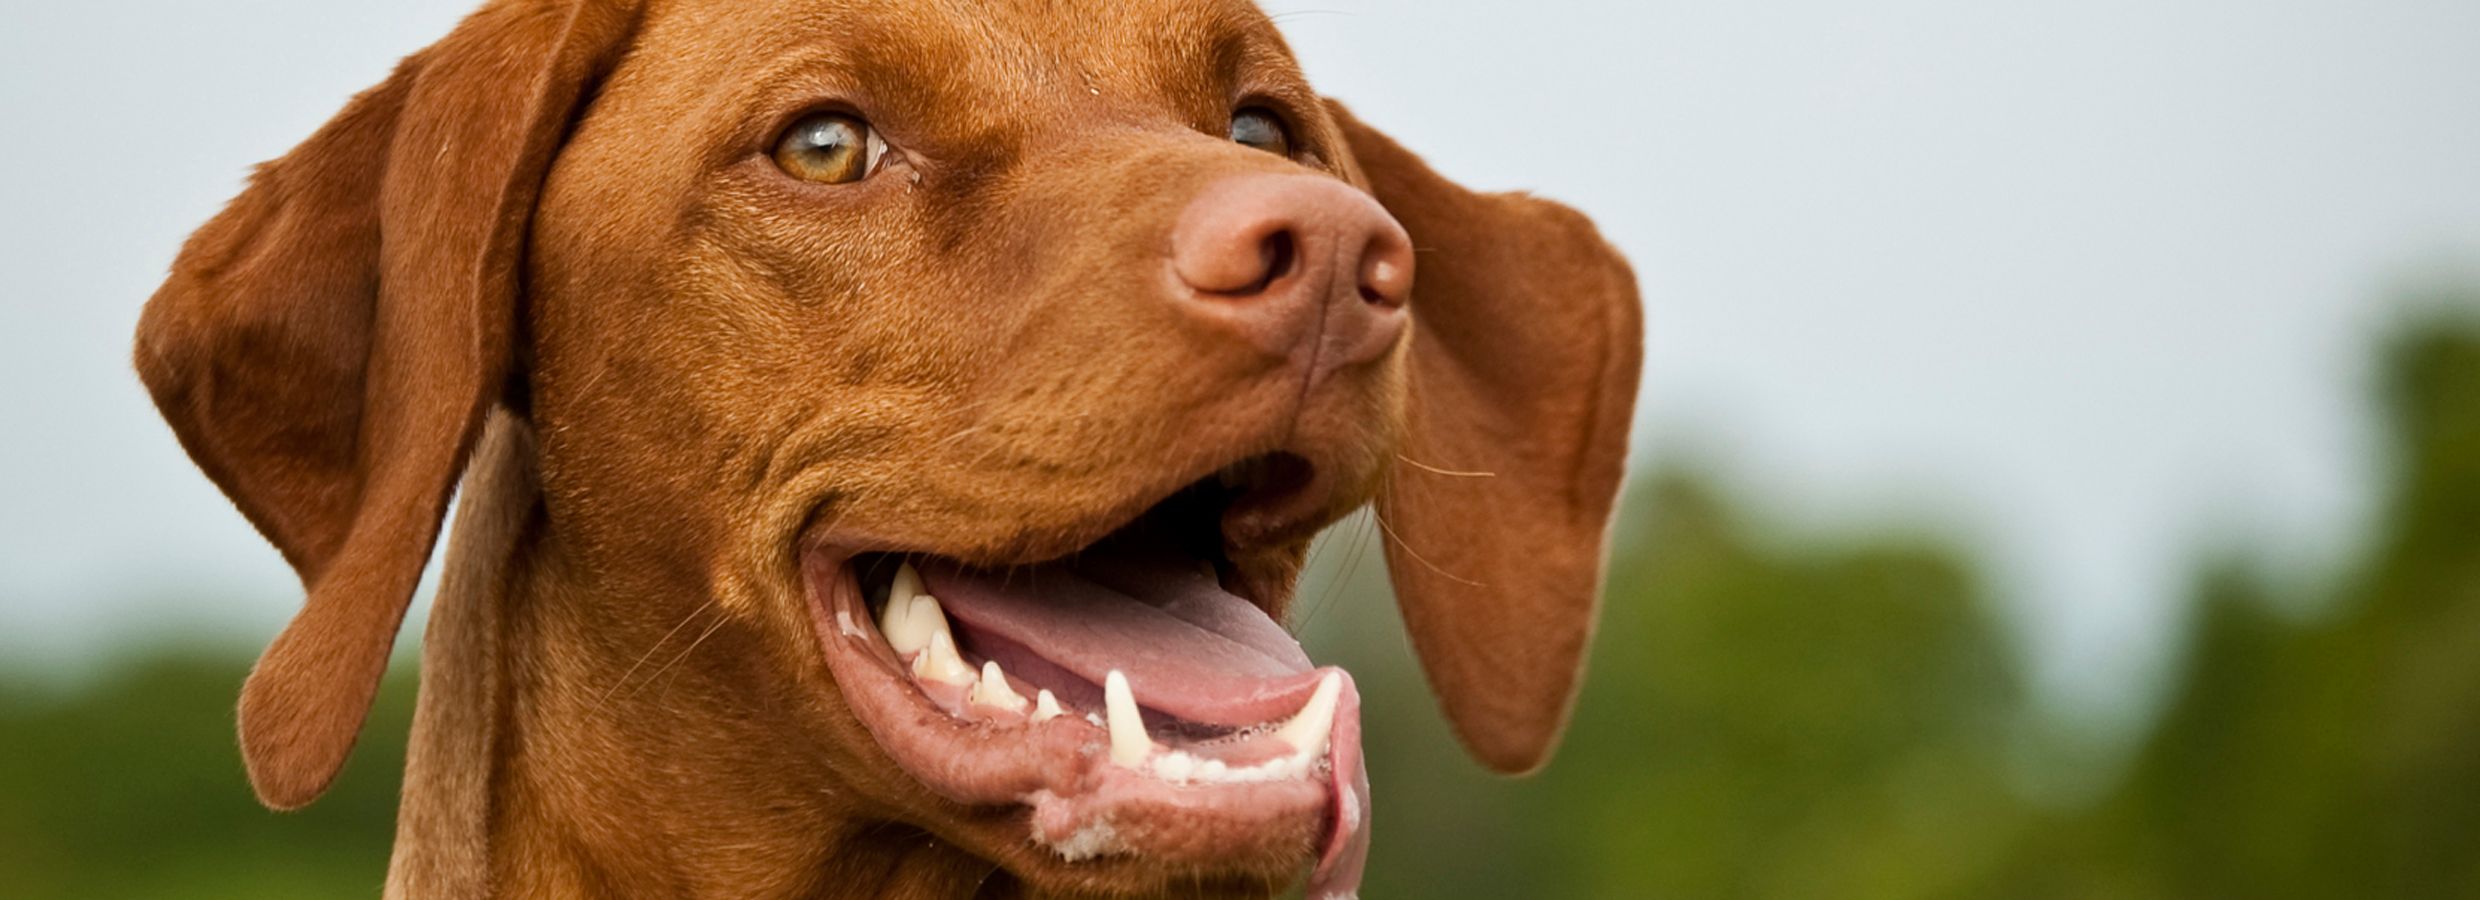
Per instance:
x=1263, y=126
x=1297, y=111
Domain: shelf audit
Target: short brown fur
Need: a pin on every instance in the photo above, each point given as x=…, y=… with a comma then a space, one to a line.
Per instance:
x=548, y=257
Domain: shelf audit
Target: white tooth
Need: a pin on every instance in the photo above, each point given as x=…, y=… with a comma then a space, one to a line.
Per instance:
x=1175, y=766
x=993, y=689
x=1212, y=769
x=896, y=623
x=1045, y=707
x=1307, y=730
x=1129, y=745
x=926, y=620
x=911, y=616
x=1295, y=765
x=941, y=663
x=906, y=584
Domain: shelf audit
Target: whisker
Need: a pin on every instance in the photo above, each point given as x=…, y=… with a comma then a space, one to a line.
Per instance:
x=1434, y=470
x=961, y=434
x=1416, y=555
x=649, y=654
x=1353, y=554
x=684, y=653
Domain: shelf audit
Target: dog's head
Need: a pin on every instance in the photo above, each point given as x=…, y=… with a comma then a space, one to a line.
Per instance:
x=1080, y=320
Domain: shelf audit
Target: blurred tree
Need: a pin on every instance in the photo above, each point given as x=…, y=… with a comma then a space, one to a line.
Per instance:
x=1759, y=722
x=2336, y=756
x=1832, y=720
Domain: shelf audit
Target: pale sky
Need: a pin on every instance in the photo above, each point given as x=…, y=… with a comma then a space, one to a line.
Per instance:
x=2088, y=284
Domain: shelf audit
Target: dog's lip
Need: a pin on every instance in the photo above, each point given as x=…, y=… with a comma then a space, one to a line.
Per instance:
x=1075, y=800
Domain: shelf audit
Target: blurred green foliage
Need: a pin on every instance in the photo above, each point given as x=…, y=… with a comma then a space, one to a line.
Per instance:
x=1758, y=722
x=1765, y=718
x=132, y=787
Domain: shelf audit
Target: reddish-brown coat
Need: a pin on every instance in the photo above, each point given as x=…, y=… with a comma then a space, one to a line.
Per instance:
x=558, y=223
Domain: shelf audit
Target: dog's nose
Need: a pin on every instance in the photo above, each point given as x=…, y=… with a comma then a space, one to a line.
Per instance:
x=1300, y=266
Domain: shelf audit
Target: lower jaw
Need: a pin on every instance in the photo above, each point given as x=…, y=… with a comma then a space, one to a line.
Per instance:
x=1088, y=819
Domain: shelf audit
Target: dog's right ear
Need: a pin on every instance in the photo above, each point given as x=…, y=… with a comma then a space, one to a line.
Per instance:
x=1528, y=338
x=326, y=347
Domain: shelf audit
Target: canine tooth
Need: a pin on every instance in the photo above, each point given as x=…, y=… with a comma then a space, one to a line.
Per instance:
x=911, y=616
x=1045, y=707
x=926, y=620
x=906, y=585
x=896, y=623
x=1129, y=745
x=1307, y=730
x=941, y=663
x=993, y=690
x=904, y=594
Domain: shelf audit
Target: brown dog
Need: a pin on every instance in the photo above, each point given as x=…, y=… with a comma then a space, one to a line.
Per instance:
x=890, y=432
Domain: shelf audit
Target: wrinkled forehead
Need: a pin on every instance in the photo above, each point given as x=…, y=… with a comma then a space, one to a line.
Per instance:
x=977, y=68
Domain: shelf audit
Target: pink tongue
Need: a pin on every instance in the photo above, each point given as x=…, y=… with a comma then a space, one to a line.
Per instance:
x=1188, y=647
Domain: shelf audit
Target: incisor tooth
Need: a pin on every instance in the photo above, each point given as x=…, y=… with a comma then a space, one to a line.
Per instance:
x=1045, y=707
x=941, y=663
x=1175, y=766
x=993, y=689
x=1307, y=730
x=1129, y=745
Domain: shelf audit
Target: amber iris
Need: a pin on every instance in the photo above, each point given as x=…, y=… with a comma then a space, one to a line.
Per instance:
x=828, y=148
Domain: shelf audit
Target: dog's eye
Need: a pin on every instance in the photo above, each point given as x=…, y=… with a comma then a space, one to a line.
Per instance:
x=1259, y=128
x=829, y=148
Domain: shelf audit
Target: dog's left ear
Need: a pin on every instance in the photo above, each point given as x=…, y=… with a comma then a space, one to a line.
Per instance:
x=327, y=346
x=1527, y=338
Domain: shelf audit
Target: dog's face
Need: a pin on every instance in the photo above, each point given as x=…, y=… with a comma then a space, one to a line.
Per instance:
x=972, y=339
x=960, y=333
x=1081, y=319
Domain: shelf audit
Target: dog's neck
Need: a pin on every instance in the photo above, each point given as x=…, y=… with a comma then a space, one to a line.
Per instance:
x=544, y=764
x=443, y=823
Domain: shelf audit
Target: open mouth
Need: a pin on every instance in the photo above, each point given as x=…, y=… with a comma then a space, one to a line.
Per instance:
x=1129, y=701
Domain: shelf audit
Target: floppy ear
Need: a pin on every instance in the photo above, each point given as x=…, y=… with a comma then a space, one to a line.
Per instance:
x=326, y=346
x=1527, y=337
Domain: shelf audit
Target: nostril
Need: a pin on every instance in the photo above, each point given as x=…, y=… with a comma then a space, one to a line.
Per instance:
x=1275, y=257
x=1302, y=267
x=1386, y=269
x=1378, y=282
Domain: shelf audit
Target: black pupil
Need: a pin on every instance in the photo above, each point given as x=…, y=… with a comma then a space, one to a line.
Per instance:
x=829, y=137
